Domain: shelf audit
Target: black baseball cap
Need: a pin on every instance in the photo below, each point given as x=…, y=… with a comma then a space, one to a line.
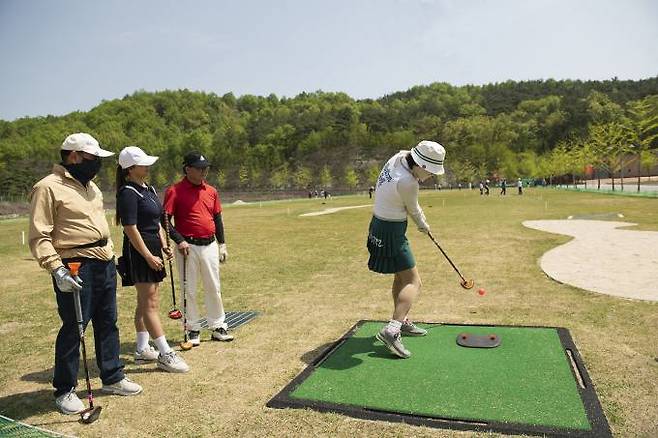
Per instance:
x=195, y=159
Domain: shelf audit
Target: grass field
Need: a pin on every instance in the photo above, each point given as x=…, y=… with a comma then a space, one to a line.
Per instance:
x=308, y=278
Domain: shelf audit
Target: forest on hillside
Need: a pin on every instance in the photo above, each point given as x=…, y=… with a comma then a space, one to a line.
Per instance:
x=527, y=129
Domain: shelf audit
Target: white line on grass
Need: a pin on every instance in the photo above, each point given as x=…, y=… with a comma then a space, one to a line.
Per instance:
x=332, y=210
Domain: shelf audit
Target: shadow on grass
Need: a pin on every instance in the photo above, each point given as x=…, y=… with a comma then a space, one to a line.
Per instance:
x=46, y=376
x=346, y=355
x=311, y=356
x=28, y=404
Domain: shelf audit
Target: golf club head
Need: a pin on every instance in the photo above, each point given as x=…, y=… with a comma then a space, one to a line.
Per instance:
x=185, y=346
x=90, y=415
x=175, y=314
x=467, y=284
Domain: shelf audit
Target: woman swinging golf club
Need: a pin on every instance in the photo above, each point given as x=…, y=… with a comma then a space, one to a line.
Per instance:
x=139, y=211
x=396, y=196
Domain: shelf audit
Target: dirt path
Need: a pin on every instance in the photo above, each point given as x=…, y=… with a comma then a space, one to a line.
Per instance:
x=603, y=259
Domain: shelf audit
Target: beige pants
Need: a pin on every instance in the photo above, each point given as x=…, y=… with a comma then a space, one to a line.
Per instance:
x=203, y=263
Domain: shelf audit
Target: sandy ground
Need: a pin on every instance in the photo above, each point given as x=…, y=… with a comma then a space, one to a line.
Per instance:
x=602, y=258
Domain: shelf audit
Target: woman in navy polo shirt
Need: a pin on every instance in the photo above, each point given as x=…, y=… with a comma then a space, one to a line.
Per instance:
x=138, y=211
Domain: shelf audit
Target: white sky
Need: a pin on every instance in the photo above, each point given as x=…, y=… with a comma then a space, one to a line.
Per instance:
x=66, y=55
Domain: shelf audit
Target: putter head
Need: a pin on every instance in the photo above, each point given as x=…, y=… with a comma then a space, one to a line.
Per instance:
x=467, y=284
x=175, y=314
x=185, y=346
x=90, y=415
x=74, y=267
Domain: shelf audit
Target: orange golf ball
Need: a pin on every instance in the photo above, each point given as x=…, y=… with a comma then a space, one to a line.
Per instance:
x=481, y=291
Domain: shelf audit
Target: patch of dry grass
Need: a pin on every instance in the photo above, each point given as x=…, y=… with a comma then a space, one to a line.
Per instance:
x=308, y=278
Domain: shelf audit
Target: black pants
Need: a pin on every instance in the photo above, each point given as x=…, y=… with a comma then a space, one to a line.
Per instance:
x=99, y=304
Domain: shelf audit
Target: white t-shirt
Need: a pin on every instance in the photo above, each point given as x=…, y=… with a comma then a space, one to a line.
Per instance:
x=396, y=194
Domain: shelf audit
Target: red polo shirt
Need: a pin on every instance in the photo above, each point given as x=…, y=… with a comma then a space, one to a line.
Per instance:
x=193, y=208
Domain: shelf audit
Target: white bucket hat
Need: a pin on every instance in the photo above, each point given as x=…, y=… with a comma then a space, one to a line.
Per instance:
x=133, y=156
x=429, y=155
x=82, y=142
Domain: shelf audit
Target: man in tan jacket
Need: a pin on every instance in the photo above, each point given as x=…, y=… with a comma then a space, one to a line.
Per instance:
x=67, y=223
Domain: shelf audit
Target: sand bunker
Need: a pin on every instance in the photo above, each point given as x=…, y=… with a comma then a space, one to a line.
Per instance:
x=603, y=259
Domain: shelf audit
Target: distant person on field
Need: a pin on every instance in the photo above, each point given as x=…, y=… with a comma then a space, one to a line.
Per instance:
x=68, y=224
x=486, y=187
x=519, y=184
x=481, y=188
x=503, y=187
x=371, y=190
x=395, y=198
x=198, y=230
x=138, y=211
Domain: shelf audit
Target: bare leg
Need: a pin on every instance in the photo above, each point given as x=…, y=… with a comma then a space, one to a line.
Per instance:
x=406, y=287
x=146, y=314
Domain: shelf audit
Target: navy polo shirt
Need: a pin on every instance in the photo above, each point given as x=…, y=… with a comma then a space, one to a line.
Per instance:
x=139, y=205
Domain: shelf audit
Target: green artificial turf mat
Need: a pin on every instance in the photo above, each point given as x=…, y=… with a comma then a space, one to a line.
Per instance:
x=527, y=379
x=15, y=429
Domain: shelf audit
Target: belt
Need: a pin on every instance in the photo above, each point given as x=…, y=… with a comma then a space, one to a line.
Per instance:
x=203, y=241
x=101, y=242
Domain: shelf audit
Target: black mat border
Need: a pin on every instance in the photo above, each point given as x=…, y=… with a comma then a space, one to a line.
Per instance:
x=595, y=415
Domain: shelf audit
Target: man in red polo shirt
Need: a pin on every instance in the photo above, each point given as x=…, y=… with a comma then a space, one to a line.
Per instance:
x=198, y=231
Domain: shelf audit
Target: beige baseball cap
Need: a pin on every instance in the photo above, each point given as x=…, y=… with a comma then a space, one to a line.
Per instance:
x=82, y=142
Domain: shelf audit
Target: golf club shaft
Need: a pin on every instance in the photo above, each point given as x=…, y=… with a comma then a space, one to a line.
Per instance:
x=171, y=273
x=185, y=298
x=81, y=333
x=446, y=256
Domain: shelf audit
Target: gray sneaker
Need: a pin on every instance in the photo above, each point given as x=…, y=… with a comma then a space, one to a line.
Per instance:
x=410, y=329
x=149, y=354
x=69, y=403
x=122, y=387
x=172, y=363
x=393, y=343
x=220, y=334
x=194, y=337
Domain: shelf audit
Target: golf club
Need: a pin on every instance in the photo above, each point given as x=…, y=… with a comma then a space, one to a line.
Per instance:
x=174, y=313
x=186, y=344
x=92, y=413
x=466, y=284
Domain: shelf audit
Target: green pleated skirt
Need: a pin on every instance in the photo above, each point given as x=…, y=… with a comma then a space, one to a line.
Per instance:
x=388, y=247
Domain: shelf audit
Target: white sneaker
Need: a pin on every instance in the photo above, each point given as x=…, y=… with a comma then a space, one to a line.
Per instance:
x=220, y=334
x=172, y=363
x=123, y=387
x=149, y=354
x=69, y=403
x=410, y=329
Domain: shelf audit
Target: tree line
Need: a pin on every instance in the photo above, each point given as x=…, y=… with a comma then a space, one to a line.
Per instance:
x=528, y=129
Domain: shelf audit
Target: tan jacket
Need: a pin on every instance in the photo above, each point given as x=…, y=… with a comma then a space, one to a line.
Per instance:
x=64, y=214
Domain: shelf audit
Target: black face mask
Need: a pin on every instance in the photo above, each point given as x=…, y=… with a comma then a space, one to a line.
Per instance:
x=84, y=171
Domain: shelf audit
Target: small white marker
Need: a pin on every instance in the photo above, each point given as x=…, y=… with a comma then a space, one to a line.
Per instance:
x=570, y=217
x=620, y=215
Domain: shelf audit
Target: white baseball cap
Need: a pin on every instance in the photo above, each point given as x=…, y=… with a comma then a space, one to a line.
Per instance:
x=82, y=142
x=429, y=155
x=133, y=156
